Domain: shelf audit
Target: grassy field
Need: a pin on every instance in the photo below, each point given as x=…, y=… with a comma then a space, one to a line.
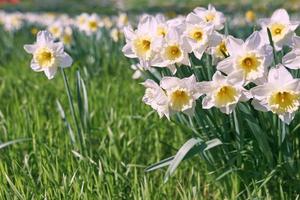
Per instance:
x=123, y=135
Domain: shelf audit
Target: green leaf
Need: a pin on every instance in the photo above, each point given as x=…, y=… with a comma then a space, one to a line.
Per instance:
x=67, y=124
x=189, y=149
x=262, y=140
x=3, y=145
x=180, y=156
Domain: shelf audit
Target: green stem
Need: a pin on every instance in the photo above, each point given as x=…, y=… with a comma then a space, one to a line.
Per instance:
x=67, y=87
x=273, y=47
x=280, y=129
x=239, y=133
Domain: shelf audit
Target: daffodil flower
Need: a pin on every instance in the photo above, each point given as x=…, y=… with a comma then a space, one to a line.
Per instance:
x=181, y=94
x=143, y=43
x=218, y=46
x=281, y=28
x=156, y=98
x=47, y=54
x=280, y=95
x=224, y=92
x=211, y=16
x=251, y=58
x=174, y=51
x=197, y=34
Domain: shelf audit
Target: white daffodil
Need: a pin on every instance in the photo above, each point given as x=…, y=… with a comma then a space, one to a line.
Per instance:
x=156, y=98
x=224, y=92
x=292, y=59
x=47, y=54
x=280, y=95
x=13, y=22
x=174, y=51
x=143, y=43
x=181, y=94
x=162, y=27
x=211, y=16
x=218, y=47
x=115, y=34
x=92, y=24
x=251, y=57
x=80, y=21
x=281, y=28
x=122, y=20
x=56, y=29
x=197, y=34
x=67, y=36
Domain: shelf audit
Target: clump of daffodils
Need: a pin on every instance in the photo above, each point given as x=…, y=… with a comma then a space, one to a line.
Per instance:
x=240, y=70
x=48, y=55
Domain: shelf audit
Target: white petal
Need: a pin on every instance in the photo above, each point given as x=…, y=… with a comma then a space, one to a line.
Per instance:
x=218, y=77
x=169, y=82
x=262, y=91
x=233, y=45
x=253, y=41
x=34, y=65
x=228, y=109
x=292, y=59
x=236, y=78
x=199, y=52
x=127, y=50
x=128, y=33
x=30, y=48
x=207, y=103
x=296, y=42
x=258, y=106
x=280, y=15
x=204, y=87
x=226, y=65
x=50, y=72
x=287, y=117
x=44, y=37
x=279, y=74
x=65, y=60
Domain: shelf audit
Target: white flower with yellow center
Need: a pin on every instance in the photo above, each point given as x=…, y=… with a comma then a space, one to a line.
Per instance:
x=67, y=36
x=211, y=16
x=181, y=93
x=224, y=92
x=174, y=51
x=115, y=34
x=142, y=43
x=81, y=20
x=13, y=21
x=251, y=57
x=218, y=46
x=56, y=29
x=47, y=54
x=280, y=95
x=197, y=34
x=292, y=59
x=92, y=24
x=122, y=20
x=156, y=98
x=162, y=27
x=281, y=28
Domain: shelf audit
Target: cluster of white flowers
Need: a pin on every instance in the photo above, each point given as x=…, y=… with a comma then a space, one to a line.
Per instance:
x=158, y=42
x=61, y=26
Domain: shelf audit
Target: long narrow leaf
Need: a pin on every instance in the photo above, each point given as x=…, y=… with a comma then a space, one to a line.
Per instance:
x=3, y=145
x=180, y=155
